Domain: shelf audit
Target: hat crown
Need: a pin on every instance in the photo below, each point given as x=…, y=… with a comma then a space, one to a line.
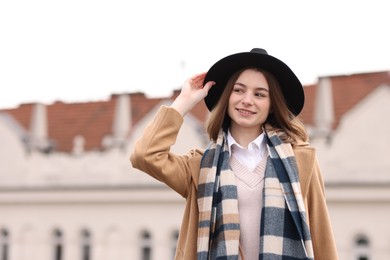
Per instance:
x=259, y=50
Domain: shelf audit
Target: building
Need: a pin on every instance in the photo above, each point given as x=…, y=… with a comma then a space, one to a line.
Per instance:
x=68, y=191
x=348, y=118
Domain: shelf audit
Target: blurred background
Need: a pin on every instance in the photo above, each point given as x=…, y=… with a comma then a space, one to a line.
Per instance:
x=81, y=79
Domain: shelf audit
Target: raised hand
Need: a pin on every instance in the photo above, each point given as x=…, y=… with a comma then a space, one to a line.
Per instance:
x=192, y=93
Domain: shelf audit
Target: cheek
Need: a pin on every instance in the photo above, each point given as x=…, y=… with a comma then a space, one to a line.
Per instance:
x=231, y=99
x=268, y=104
x=266, y=109
x=230, y=105
x=229, y=110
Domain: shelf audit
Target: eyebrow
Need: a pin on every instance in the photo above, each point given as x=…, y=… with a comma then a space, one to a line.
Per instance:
x=243, y=85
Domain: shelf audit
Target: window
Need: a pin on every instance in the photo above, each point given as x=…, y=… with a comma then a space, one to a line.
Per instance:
x=85, y=245
x=146, y=246
x=58, y=244
x=362, y=246
x=4, y=244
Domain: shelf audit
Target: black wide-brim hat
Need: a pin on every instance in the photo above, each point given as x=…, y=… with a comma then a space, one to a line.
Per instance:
x=223, y=69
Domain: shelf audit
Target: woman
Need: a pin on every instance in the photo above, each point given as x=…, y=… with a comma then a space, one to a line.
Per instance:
x=256, y=192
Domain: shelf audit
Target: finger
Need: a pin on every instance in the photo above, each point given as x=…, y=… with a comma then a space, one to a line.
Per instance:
x=198, y=79
x=209, y=85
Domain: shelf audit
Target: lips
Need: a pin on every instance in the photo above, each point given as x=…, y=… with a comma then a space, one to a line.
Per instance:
x=245, y=112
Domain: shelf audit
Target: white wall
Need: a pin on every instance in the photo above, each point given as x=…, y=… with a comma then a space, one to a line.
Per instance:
x=356, y=167
x=12, y=152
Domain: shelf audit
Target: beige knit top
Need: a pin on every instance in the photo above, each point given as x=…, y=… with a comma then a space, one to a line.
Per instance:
x=250, y=186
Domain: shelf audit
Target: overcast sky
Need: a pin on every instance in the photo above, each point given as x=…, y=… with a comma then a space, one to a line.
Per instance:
x=86, y=50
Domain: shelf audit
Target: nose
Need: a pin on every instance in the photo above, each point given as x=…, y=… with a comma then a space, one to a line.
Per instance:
x=247, y=99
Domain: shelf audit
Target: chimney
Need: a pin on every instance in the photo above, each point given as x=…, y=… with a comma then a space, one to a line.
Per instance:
x=122, y=120
x=324, y=110
x=38, y=129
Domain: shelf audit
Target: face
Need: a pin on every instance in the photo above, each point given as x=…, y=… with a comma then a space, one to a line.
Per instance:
x=249, y=102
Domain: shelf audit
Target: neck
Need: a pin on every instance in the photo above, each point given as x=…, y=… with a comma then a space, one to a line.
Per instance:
x=245, y=136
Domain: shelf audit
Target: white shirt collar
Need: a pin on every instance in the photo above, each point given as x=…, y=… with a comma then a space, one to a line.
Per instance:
x=255, y=143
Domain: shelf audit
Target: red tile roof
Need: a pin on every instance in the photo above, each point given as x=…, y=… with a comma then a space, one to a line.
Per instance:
x=348, y=91
x=93, y=120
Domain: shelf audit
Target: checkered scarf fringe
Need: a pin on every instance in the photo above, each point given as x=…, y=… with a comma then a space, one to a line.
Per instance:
x=219, y=228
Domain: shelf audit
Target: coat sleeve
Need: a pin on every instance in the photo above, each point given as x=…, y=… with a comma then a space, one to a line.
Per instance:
x=152, y=152
x=320, y=225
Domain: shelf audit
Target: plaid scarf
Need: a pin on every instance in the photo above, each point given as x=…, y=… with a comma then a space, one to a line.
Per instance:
x=284, y=233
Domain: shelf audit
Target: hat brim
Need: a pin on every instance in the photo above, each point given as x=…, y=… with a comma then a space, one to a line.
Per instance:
x=223, y=69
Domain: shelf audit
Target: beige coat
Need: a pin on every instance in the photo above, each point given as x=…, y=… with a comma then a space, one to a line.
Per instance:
x=181, y=173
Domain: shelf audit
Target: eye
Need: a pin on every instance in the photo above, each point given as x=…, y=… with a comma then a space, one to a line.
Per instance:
x=261, y=94
x=238, y=90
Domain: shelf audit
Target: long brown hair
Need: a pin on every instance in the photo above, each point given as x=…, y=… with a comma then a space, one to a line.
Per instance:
x=280, y=117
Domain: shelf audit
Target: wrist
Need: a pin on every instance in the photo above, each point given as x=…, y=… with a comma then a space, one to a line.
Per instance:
x=181, y=105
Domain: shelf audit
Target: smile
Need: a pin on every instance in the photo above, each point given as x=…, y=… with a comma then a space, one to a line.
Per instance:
x=245, y=112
